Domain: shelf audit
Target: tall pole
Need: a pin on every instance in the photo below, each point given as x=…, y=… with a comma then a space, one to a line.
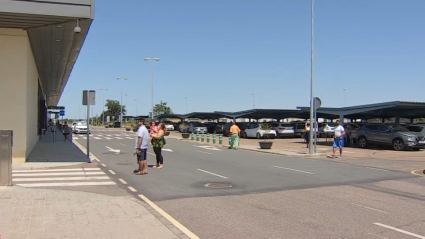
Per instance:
x=121, y=78
x=345, y=97
x=152, y=73
x=137, y=106
x=253, y=101
x=312, y=124
x=103, y=108
x=88, y=128
x=186, y=104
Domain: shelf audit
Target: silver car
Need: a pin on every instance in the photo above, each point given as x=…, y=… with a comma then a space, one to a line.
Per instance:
x=197, y=128
x=399, y=137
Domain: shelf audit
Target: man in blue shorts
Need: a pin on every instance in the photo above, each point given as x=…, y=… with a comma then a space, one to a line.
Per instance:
x=339, y=139
x=142, y=142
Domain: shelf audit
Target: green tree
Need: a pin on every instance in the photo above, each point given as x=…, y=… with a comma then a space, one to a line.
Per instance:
x=114, y=109
x=161, y=108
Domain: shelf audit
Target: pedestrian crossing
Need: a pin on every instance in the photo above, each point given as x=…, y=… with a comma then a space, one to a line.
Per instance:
x=105, y=137
x=61, y=177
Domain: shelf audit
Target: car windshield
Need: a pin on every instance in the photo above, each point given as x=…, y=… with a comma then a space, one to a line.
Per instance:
x=398, y=128
x=82, y=124
x=198, y=124
x=331, y=124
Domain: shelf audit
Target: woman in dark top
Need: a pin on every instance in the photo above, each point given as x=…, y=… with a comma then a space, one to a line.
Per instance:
x=158, y=142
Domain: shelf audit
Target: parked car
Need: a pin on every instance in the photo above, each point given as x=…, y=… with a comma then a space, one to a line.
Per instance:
x=327, y=129
x=117, y=125
x=80, y=128
x=418, y=128
x=210, y=126
x=196, y=127
x=299, y=127
x=351, y=130
x=169, y=127
x=253, y=130
x=219, y=128
x=397, y=136
x=226, y=128
x=283, y=129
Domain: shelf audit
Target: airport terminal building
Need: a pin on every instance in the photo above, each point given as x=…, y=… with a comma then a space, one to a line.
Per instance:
x=39, y=44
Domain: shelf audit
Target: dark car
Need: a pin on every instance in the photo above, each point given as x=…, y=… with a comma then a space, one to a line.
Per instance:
x=210, y=126
x=219, y=128
x=117, y=125
x=226, y=128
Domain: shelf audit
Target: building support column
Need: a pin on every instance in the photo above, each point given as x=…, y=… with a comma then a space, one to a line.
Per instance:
x=397, y=120
x=341, y=119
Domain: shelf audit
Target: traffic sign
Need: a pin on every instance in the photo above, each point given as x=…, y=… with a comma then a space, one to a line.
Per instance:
x=62, y=113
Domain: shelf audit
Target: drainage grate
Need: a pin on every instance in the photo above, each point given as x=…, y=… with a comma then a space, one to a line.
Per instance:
x=218, y=185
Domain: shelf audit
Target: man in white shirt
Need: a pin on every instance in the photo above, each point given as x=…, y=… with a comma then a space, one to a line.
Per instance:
x=339, y=139
x=142, y=142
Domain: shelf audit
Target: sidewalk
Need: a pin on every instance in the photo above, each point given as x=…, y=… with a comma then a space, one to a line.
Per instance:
x=46, y=213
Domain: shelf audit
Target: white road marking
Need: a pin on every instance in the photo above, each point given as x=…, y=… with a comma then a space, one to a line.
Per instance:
x=293, y=169
x=104, y=165
x=56, y=174
x=116, y=151
x=118, y=138
x=123, y=144
x=122, y=181
x=218, y=175
x=75, y=137
x=399, y=230
x=96, y=138
x=203, y=152
x=108, y=135
x=378, y=169
x=128, y=138
x=132, y=189
x=35, y=185
x=168, y=150
x=60, y=179
x=112, y=172
x=177, y=224
x=208, y=147
x=371, y=208
x=107, y=138
x=151, y=153
x=55, y=170
x=84, y=137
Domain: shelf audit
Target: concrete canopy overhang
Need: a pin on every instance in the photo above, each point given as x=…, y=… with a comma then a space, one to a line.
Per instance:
x=50, y=28
x=401, y=109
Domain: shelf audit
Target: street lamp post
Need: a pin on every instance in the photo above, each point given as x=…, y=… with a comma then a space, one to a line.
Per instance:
x=152, y=72
x=103, y=115
x=312, y=124
x=345, y=98
x=186, y=103
x=121, y=78
x=253, y=101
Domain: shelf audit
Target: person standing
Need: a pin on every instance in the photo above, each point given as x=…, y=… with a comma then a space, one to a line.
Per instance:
x=338, y=139
x=307, y=130
x=65, y=130
x=158, y=142
x=142, y=142
x=234, y=136
x=153, y=128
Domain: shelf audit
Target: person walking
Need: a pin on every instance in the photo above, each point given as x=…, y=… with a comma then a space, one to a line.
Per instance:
x=142, y=142
x=158, y=142
x=338, y=139
x=234, y=136
x=307, y=130
x=65, y=130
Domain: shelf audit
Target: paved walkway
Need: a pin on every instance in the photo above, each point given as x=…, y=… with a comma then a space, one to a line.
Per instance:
x=48, y=213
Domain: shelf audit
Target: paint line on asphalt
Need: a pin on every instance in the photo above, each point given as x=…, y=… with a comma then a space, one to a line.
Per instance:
x=377, y=169
x=96, y=137
x=107, y=138
x=60, y=179
x=35, y=185
x=104, y=165
x=296, y=170
x=151, y=153
x=418, y=172
x=123, y=144
x=177, y=224
x=118, y=138
x=56, y=174
x=399, y=230
x=132, y=189
x=112, y=172
x=122, y=181
x=371, y=208
x=55, y=170
x=218, y=175
x=203, y=152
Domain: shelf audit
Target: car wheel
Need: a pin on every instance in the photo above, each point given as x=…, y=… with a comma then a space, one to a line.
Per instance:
x=258, y=136
x=362, y=142
x=245, y=135
x=398, y=145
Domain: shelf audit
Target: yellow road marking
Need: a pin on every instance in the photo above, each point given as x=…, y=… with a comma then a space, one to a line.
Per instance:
x=112, y=172
x=169, y=218
x=418, y=172
x=132, y=189
x=122, y=181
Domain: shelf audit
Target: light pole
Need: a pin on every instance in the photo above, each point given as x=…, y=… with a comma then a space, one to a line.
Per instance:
x=345, y=97
x=186, y=103
x=312, y=124
x=137, y=105
x=121, y=78
x=253, y=101
x=103, y=114
x=152, y=72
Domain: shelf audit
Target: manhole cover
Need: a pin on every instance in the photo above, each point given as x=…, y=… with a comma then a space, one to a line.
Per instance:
x=123, y=163
x=218, y=185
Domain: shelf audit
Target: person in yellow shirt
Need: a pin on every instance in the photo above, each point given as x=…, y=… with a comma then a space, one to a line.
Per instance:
x=234, y=136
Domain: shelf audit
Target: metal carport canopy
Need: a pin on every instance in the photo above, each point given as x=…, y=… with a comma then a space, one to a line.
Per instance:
x=402, y=109
x=173, y=116
x=263, y=113
x=204, y=115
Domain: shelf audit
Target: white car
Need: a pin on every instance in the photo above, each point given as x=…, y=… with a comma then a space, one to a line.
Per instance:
x=169, y=127
x=326, y=129
x=284, y=129
x=197, y=127
x=80, y=128
x=253, y=130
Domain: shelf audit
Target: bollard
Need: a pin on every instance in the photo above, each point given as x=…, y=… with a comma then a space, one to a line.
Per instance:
x=214, y=139
x=197, y=136
x=208, y=138
x=202, y=137
x=220, y=139
x=192, y=136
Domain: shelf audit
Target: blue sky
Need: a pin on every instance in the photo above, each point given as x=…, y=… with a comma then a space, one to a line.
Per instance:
x=218, y=53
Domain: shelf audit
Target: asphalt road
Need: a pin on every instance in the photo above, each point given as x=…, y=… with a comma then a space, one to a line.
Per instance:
x=270, y=196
